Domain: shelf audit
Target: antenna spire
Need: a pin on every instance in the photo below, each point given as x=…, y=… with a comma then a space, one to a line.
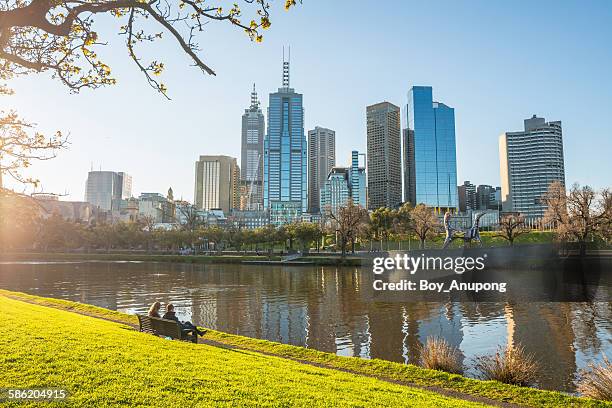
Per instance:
x=254, y=100
x=286, y=68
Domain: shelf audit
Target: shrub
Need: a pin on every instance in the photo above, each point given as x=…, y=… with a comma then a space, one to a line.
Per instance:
x=437, y=354
x=597, y=382
x=510, y=365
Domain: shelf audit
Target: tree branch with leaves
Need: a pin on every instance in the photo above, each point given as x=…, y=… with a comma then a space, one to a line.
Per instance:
x=59, y=36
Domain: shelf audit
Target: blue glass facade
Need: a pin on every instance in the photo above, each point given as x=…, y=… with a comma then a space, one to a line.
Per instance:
x=285, y=160
x=435, y=161
x=358, y=181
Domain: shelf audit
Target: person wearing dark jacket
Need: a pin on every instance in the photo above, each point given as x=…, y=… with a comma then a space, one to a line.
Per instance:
x=185, y=326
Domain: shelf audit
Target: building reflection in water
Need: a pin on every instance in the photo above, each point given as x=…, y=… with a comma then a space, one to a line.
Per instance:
x=328, y=309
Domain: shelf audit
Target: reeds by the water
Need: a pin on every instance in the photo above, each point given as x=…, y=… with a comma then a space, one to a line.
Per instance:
x=510, y=364
x=597, y=381
x=438, y=354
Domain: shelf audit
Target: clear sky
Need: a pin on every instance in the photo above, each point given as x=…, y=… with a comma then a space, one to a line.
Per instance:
x=495, y=62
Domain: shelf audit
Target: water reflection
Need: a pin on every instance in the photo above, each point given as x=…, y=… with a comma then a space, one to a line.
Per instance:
x=327, y=309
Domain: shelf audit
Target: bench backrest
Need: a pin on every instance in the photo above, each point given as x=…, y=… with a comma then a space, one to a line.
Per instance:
x=159, y=327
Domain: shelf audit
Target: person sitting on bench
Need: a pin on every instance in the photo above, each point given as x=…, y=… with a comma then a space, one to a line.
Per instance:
x=185, y=326
x=154, y=310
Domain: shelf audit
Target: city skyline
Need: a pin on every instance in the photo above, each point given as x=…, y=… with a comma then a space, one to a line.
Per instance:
x=485, y=106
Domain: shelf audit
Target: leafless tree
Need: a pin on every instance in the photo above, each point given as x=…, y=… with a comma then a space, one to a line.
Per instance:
x=580, y=214
x=349, y=223
x=511, y=226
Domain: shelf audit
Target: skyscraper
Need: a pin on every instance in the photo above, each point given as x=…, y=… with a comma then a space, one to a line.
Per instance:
x=251, y=159
x=384, y=155
x=105, y=189
x=285, y=155
x=409, y=175
x=321, y=159
x=342, y=184
x=435, y=160
x=467, y=197
x=217, y=183
x=335, y=191
x=358, y=180
x=529, y=162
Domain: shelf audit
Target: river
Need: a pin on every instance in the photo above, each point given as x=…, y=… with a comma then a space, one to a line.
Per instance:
x=325, y=308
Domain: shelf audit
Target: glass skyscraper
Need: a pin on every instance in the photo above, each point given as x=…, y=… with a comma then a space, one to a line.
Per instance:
x=251, y=178
x=435, y=162
x=285, y=155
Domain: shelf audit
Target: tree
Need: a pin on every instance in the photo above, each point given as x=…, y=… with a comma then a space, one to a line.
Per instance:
x=424, y=223
x=511, y=226
x=382, y=222
x=59, y=36
x=19, y=220
x=20, y=146
x=306, y=233
x=349, y=223
x=191, y=216
x=580, y=214
x=403, y=221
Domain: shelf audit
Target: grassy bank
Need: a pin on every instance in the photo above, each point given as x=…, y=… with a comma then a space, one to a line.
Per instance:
x=100, y=363
x=379, y=368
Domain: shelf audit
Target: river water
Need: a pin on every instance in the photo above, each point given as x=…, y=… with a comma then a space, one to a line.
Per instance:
x=325, y=308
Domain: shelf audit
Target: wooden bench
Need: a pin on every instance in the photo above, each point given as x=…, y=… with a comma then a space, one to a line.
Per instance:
x=166, y=328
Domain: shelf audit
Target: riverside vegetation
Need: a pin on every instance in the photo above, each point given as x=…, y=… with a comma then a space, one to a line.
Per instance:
x=110, y=363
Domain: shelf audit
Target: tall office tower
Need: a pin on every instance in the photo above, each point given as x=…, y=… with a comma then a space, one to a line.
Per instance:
x=529, y=162
x=358, y=180
x=125, y=180
x=485, y=195
x=335, y=192
x=217, y=183
x=321, y=159
x=409, y=175
x=342, y=184
x=467, y=197
x=251, y=157
x=384, y=156
x=495, y=199
x=106, y=189
x=435, y=160
x=285, y=160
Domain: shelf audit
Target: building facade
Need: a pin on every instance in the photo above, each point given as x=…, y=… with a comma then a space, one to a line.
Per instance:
x=530, y=161
x=384, y=156
x=106, y=189
x=159, y=208
x=321, y=159
x=285, y=156
x=467, y=197
x=251, y=156
x=409, y=171
x=335, y=192
x=435, y=163
x=358, y=181
x=217, y=184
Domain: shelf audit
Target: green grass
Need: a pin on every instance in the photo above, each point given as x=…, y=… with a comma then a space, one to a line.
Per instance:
x=102, y=363
x=380, y=368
